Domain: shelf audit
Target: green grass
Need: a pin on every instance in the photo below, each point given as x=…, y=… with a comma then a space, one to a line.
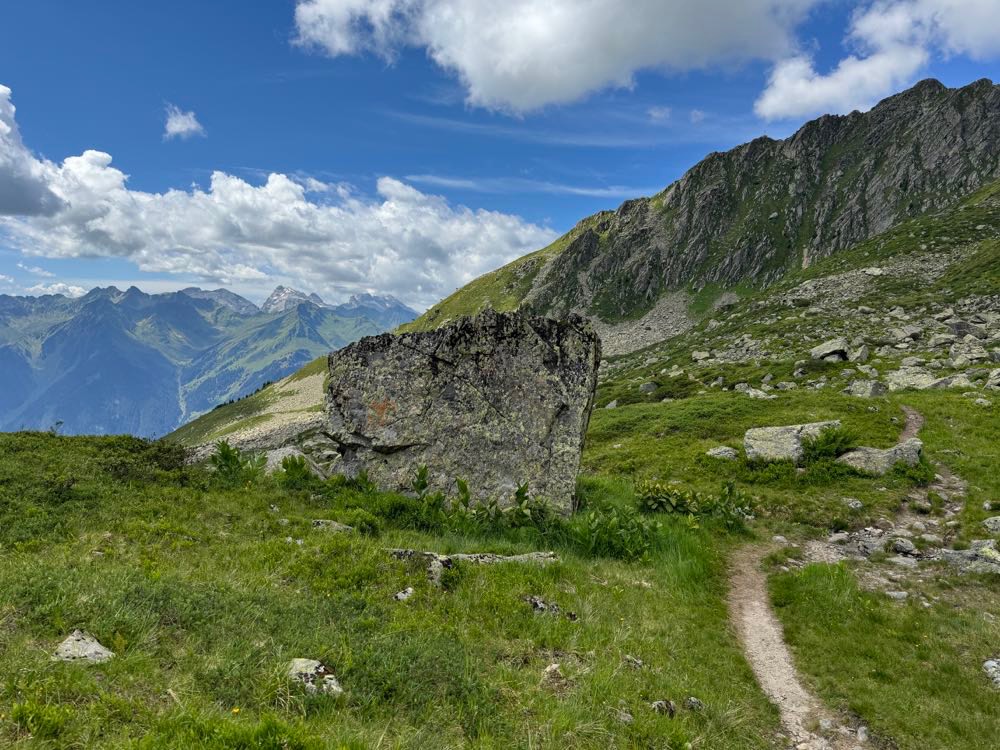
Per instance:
x=225, y=418
x=668, y=441
x=503, y=289
x=913, y=674
x=203, y=600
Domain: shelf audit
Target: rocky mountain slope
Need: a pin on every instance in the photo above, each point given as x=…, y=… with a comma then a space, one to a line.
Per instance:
x=124, y=361
x=744, y=218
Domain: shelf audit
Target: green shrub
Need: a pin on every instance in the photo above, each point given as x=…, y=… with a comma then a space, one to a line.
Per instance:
x=920, y=475
x=657, y=497
x=616, y=532
x=730, y=506
x=830, y=443
x=233, y=469
x=295, y=473
x=362, y=521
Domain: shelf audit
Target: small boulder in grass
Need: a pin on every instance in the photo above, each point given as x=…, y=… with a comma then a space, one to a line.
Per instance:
x=80, y=646
x=693, y=704
x=315, y=676
x=664, y=707
x=554, y=679
x=402, y=596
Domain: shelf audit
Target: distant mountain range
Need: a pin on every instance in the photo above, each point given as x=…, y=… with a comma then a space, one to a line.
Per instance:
x=117, y=361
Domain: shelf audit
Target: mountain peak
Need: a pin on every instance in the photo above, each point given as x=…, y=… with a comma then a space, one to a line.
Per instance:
x=224, y=297
x=284, y=298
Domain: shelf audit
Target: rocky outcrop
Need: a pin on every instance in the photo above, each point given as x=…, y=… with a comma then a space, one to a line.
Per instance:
x=498, y=400
x=782, y=443
x=880, y=461
x=762, y=208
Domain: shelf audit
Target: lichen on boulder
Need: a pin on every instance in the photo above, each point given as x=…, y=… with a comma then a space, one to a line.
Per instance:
x=498, y=400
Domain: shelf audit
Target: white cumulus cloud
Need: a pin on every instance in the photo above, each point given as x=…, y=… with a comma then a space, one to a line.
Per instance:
x=181, y=124
x=520, y=55
x=893, y=41
x=320, y=236
x=57, y=288
x=24, y=188
x=35, y=271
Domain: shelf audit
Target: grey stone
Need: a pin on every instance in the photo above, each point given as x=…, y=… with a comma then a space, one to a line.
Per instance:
x=612, y=404
x=693, y=704
x=80, y=646
x=402, y=596
x=499, y=399
x=700, y=356
x=880, y=461
x=939, y=340
x=648, y=387
x=992, y=525
x=276, y=455
x=664, y=707
x=897, y=595
x=782, y=443
x=903, y=546
x=992, y=669
x=315, y=676
x=835, y=350
x=866, y=389
x=724, y=452
x=853, y=503
x=326, y=524
x=859, y=355
x=993, y=380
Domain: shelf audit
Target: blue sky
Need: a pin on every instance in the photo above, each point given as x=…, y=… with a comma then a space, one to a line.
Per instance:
x=403, y=146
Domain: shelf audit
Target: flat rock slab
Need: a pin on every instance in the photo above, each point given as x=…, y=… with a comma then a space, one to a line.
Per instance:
x=880, y=461
x=499, y=400
x=80, y=646
x=782, y=443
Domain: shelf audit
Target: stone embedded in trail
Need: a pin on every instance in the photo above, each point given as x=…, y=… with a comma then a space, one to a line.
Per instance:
x=782, y=443
x=880, y=461
x=80, y=646
x=499, y=400
x=316, y=677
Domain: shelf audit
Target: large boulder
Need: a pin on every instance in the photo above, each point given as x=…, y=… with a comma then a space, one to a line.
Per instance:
x=499, y=400
x=880, y=461
x=835, y=350
x=782, y=443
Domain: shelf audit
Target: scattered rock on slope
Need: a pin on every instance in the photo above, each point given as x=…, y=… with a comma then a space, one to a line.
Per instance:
x=880, y=461
x=500, y=399
x=782, y=443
